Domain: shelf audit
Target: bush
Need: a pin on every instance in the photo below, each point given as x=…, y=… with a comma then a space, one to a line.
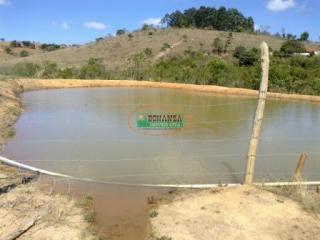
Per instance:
x=15, y=44
x=290, y=47
x=218, y=46
x=94, y=69
x=146, y=27
x=165, y=47
x=121, y=32
x=24, y=53
x=50, y=47
x=25, y=69
x=239, y=51
x=246, y=57
x=99, y=39
x=68, y=73
x=50, y=70
x=9, y=51
x=148, y=52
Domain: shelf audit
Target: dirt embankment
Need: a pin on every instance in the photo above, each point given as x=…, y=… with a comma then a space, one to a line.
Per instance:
x=34, y=84
x=29, y=210
x=245, y=213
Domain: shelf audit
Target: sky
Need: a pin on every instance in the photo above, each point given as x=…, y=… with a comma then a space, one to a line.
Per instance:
x=81, y=21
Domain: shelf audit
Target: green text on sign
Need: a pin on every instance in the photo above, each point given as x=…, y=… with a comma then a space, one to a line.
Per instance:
x=160, y=121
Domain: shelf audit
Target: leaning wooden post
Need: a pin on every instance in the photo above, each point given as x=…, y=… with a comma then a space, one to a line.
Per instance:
x=299, y=168
x=254, y=141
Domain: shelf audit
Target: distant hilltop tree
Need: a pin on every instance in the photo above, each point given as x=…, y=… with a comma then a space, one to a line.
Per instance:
x=304, y=36
x=121, y=32
x=206, y=17
x=15, y=44
x=50, y=47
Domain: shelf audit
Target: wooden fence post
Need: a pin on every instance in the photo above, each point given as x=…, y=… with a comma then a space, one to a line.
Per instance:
x=254, y=141
x=299, y=168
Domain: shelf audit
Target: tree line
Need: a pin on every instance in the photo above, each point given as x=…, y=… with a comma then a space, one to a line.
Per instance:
x=222, y=19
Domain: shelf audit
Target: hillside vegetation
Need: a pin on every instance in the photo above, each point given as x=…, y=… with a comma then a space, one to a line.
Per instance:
x=115, y=51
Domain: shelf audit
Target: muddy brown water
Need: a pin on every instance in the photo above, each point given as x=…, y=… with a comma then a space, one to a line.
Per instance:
x=90, y=133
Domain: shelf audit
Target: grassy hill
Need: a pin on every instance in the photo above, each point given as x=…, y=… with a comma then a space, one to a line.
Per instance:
x=15, y=52
x=115, y=51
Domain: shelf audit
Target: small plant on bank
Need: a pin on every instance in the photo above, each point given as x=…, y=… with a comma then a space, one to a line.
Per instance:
x=153, y=213
x=24, y=53
x=9, y=51
x=86, y=203
x=165, y=47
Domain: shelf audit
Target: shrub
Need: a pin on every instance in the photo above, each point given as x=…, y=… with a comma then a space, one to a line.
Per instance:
x=148, y=52
x=137, y=65
x=24, y=53
x=9, y=51
x=94, y=69
x=50, y=70
x=68, y=73
x=218, y=46
x=25, y=69
x=246, y=57
x=15, y=44
x=146, y=27
x=165, y=46
x=99, y=39
x=290, y=47
x=239, y=51
x=27, y=44
x=121, y=32
x=50, y=47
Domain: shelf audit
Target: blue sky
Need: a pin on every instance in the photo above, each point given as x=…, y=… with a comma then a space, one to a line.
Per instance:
x=80, y=21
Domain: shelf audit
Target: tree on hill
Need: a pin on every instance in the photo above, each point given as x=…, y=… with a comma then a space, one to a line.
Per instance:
x=246, y=57
x=218, y=46
x=290, y=47
x=15, y=44
x=304, y=36
x=121, y=32
x=206, y=17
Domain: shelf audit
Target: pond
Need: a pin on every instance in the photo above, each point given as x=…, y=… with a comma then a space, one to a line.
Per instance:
x=91, y=133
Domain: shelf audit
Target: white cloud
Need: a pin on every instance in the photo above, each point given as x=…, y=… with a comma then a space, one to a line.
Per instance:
x=4, y=2
x=95, y=25
x=65, y=25
x=152, y=21
x=280, y=5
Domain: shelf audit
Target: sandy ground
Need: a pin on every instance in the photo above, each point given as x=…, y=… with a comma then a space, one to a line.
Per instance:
x=46, y=215
x=243, y=213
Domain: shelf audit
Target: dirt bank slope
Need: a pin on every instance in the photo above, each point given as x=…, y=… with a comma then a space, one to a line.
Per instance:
x=26, y=210
x=42, y=214
x=240, y=213
x=34, y=84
